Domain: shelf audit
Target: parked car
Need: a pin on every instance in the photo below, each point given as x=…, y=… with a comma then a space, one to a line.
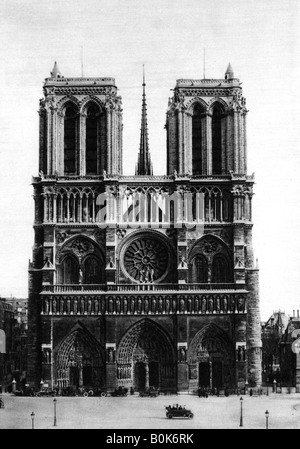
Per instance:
x=26, y=392
x=150, y=392
x=68, y=391
x=121, y=391
x=93, y=392
x=178, y=411
x=46, y=392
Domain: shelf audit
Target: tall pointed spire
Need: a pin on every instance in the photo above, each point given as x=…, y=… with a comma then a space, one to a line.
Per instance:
x=144, y=164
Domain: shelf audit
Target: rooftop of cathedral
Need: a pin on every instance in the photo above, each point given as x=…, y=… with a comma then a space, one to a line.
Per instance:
x=57, y=79
x=228, y=81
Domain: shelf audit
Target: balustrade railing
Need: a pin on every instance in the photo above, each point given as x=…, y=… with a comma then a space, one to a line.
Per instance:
x=86, y=288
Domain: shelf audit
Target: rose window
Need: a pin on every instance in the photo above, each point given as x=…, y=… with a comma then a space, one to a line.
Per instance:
x=146, y=260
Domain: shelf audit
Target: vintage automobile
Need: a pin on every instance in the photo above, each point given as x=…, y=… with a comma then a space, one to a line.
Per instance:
x=149, y=392
x=94, y=392
x=46, y=392
x=26, y=392
x=121, y=391
x=178, y=411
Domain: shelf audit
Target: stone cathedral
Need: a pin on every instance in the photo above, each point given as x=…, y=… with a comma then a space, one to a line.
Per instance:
x=143, y=280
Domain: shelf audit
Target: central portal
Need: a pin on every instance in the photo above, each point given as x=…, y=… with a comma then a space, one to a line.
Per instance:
x=146, y=358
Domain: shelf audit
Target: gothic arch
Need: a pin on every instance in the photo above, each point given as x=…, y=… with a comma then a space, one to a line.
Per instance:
x=196, y=100
x=79, y=360
x=86, y=102
x=213, y=249
x=219, y=102
x=146, y=356
x=81, y=248
x=218, y=110
x=61, y=105
x=211, y=358
x=211, y=338
x=218, y=241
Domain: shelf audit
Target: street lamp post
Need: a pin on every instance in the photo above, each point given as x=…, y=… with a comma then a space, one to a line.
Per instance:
x=267, y=418
x=32, y=420
x=241, y=417
x=54, y=402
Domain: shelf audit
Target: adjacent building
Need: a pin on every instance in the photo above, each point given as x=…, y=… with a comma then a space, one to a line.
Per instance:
x=290, y=353
x=13, y=343
x=272, y=332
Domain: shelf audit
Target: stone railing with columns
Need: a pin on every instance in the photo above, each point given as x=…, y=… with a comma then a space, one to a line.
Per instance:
x=98, y=288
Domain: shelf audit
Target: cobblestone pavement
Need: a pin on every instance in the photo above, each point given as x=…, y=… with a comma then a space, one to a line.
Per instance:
x=133, y=412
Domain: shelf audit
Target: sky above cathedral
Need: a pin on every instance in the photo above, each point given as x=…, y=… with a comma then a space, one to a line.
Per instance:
x=115, y=38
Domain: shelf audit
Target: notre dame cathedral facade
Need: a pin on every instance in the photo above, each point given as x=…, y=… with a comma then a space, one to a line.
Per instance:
x=143, y=280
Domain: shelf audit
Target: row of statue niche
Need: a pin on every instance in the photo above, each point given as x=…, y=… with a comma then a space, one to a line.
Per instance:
x=137, y=305
x=124, y=372
x=75, y=306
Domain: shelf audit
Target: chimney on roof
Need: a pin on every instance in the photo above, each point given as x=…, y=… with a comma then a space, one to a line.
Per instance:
x=297, y=313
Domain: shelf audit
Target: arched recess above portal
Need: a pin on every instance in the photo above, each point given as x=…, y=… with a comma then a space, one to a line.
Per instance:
x=65, y=346
x=210, y=332
x=145, y=332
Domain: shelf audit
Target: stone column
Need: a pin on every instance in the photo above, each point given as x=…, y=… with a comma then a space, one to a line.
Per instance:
x=208, y=144
x=180, y=143
x=82, y=144
x=253, y=335
x=108, y=139
x=236, y=141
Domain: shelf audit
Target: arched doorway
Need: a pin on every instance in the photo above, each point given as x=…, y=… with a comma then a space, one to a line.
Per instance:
x=211, y=358
x=146, y=358
x=79, y=361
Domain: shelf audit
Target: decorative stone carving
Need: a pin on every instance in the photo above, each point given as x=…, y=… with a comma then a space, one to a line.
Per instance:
x=146, y=260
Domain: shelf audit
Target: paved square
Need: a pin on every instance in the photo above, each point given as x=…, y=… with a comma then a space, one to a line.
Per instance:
x=133, y=412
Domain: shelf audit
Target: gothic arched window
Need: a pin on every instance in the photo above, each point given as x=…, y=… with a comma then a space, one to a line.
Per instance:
x=197, y=150
x=69, y=272
x=220, y=269
x=200, y=270
x=70, y=140
x=92, y=271
x=216, y=141
x=92, y=137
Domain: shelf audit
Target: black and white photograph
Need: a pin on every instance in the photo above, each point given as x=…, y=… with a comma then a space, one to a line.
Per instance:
x=150, y=251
